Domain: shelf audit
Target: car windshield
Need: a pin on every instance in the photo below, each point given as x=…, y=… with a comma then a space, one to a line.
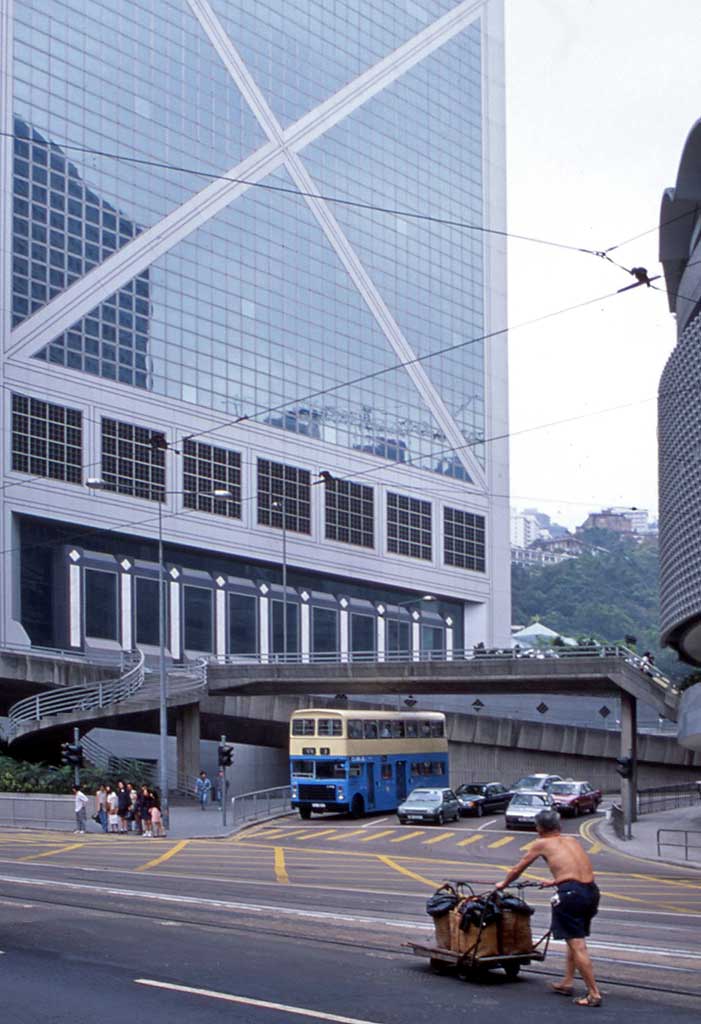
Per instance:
x=474, y=790
x=529, y=782
x=563, y=789
x=424, y=796
x=528, y=800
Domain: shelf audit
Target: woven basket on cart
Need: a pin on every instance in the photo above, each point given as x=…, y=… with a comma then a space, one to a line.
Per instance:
x=515, y=933
x=470, y=940
x=442, y=928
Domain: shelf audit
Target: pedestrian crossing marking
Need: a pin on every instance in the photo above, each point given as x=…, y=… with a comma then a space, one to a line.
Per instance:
x=471, y=839
x=377, y=835
x=438, y=839
x=501, y=842
x=409, y=835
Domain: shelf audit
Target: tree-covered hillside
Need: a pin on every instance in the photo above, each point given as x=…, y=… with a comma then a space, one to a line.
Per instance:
x=608, y=594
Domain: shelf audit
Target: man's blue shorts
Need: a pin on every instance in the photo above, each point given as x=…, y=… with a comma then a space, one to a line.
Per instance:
x=574, y=906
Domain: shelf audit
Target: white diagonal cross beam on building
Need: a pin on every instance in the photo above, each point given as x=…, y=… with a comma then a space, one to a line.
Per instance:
x=248, y=87
x=118, y=269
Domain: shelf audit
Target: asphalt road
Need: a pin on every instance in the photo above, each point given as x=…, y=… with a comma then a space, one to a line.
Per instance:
x=310, y=916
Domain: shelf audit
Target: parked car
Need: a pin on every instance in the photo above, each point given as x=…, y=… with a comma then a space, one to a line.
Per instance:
x=436, y=805
x=524, y=806
x=482, y=797
x=575, y=798
x=538, y=781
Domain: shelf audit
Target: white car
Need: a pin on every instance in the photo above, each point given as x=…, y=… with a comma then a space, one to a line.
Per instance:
x=525, y=805
x=538, y=781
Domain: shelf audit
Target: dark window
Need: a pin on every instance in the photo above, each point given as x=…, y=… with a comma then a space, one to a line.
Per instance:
x=197, y=607
x=439, y=769
x=370, y=730
x=350, y=512
x=464, y=539
x=412, y=729
x=436, y=728
x=147, y=611
x=330, y=769
x=206, y=469
x=302, y=726
x=101, y=609
x=386, y=771
x=292, y=627
x=408, y=526
x=47, y=440
x=330, y=727
x=285, y=489
x=355, y=730
x=398, y=634
x=385, y=729
x=362, y=634
x=243, y=631
x=324, y=630
x=424, y=729
x=300, y=767
x=432, y=639
x=133, y=460
x=397, y=729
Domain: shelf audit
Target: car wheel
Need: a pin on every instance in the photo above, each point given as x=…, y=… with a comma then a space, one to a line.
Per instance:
x=439, y=818
x=480, y=810
x=357, y=808
x=402, y=821
x=575, y=811
x=305, y=813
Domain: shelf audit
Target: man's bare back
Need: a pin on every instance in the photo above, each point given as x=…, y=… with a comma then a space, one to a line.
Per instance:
x=565, y=857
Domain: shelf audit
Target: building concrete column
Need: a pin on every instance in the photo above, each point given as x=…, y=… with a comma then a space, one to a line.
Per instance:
x=187, y=737
x=449, y=639
x=305, y=628
x=629, y=748
x=220, y=618
x=416, y=636
x=126, y=582
x=344, y=632
x=381, y=632
x=264, y=622
x=75, y=601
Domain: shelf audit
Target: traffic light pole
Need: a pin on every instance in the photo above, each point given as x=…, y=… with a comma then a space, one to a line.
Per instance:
x=224, y=787
x=629, y=748
x=76, y=768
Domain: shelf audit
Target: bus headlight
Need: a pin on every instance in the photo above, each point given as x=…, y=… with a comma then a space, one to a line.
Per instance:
x=340, y=794
x=294, y=792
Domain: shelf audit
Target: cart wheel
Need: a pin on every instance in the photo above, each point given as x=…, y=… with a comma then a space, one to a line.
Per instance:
x=511, y=970
x=439, y=966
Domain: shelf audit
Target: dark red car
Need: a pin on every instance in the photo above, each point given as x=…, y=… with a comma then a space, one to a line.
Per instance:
x=575, y=798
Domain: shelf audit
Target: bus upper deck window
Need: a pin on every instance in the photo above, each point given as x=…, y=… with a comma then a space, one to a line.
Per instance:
x=302, y=726
x=425, y=729
x=398, y=730
x=411, y=729
x=355, y=730
x=370, y=730
x=436, y=728
x=385, y=730
x=330, y=727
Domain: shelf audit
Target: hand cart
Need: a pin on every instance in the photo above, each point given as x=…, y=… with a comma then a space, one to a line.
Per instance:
x=472, y=963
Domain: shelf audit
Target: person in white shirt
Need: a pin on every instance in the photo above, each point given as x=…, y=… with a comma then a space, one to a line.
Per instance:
x=80, y=803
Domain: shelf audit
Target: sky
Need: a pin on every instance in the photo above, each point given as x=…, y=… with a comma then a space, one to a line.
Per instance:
x=601, y=95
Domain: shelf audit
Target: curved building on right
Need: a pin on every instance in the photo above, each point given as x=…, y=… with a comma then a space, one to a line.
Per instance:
x=679, y=412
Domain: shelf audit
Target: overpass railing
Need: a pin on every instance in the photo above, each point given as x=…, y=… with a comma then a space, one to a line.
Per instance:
x=78, y=698
x=264, y=803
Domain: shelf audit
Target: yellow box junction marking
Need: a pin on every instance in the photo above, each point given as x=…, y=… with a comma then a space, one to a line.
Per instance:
x=405, y=871
x=280, y=869
x=315, y=834
x=438, y=839
x=409, y=835
x=345, y=834
x=378, y=835
x=52, y=853
x=501, y=842
x=165, y=856
x=471, y=839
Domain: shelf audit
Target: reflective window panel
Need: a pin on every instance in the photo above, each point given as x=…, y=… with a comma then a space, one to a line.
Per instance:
x=101, y=605
x=206, y=469
x=47, y=439
x=350, y=512
x=464, y=539
x=133, y=460
x=284, y=491
x=408, y=526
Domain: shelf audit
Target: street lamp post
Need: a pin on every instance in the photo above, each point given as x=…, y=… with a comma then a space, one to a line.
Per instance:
x=95, y=483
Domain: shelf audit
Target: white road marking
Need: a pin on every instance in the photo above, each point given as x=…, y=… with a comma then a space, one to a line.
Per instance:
x=481, y=828
x=264, y=1004
x=375, y=821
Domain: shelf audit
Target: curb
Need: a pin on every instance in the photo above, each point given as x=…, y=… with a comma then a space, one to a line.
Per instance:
x=628, y=847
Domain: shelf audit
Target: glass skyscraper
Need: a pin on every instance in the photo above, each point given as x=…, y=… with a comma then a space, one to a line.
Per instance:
x=243, y=250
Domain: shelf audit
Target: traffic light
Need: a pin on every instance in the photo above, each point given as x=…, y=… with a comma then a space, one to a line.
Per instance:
x=225, y=753
x=72, y=754
x=624, y=767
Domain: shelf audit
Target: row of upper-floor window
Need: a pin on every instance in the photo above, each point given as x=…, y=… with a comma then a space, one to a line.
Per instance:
x=47, y=441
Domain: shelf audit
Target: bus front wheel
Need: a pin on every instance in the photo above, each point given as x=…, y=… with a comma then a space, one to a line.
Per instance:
x=305, y=812
x=357, y=807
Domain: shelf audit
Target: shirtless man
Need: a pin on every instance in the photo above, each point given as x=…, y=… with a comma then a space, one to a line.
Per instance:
x=575, y=904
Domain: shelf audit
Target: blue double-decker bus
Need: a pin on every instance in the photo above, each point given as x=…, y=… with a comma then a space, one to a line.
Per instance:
x=364, y=761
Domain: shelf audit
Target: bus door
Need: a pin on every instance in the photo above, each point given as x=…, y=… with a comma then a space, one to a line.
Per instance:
x=371, y=785
x=400, y=768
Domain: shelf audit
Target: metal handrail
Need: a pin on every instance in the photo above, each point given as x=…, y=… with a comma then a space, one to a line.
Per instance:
x=78, y=698
x=262, y=803
x=686, y=832
x=101, y=757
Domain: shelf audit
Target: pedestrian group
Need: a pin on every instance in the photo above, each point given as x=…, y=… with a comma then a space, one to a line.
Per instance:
x=123, y=809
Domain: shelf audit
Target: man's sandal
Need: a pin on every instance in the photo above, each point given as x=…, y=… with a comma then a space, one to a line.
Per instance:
x=562, y=990
x=588, y=1000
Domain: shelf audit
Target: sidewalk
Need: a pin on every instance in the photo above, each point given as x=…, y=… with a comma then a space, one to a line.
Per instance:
x=644, y=841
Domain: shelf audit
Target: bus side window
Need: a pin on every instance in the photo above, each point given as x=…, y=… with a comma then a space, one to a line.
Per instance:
x=438, y=768
x=355, y=730
x=302, y=726
x=411, y=729
x=355, y=771
x=398, y=730
x=386, y=771
x=370, y=730
x=425, y=729
x=385, y=730
x=436, y=728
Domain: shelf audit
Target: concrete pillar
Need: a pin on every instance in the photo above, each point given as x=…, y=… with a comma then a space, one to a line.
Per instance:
x=220, y=619
x=75, y=602
x=629, y=748
x=187, y=734
x=416, y=636
x=126, y=585
x=449, y=641
x=381, y=634
x=263, y=622
x=305, y=626
x=344, y=631
x=174, y=601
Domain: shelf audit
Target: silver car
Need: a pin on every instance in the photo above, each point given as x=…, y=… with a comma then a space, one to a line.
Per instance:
x=435, y=805
x=524, y=806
